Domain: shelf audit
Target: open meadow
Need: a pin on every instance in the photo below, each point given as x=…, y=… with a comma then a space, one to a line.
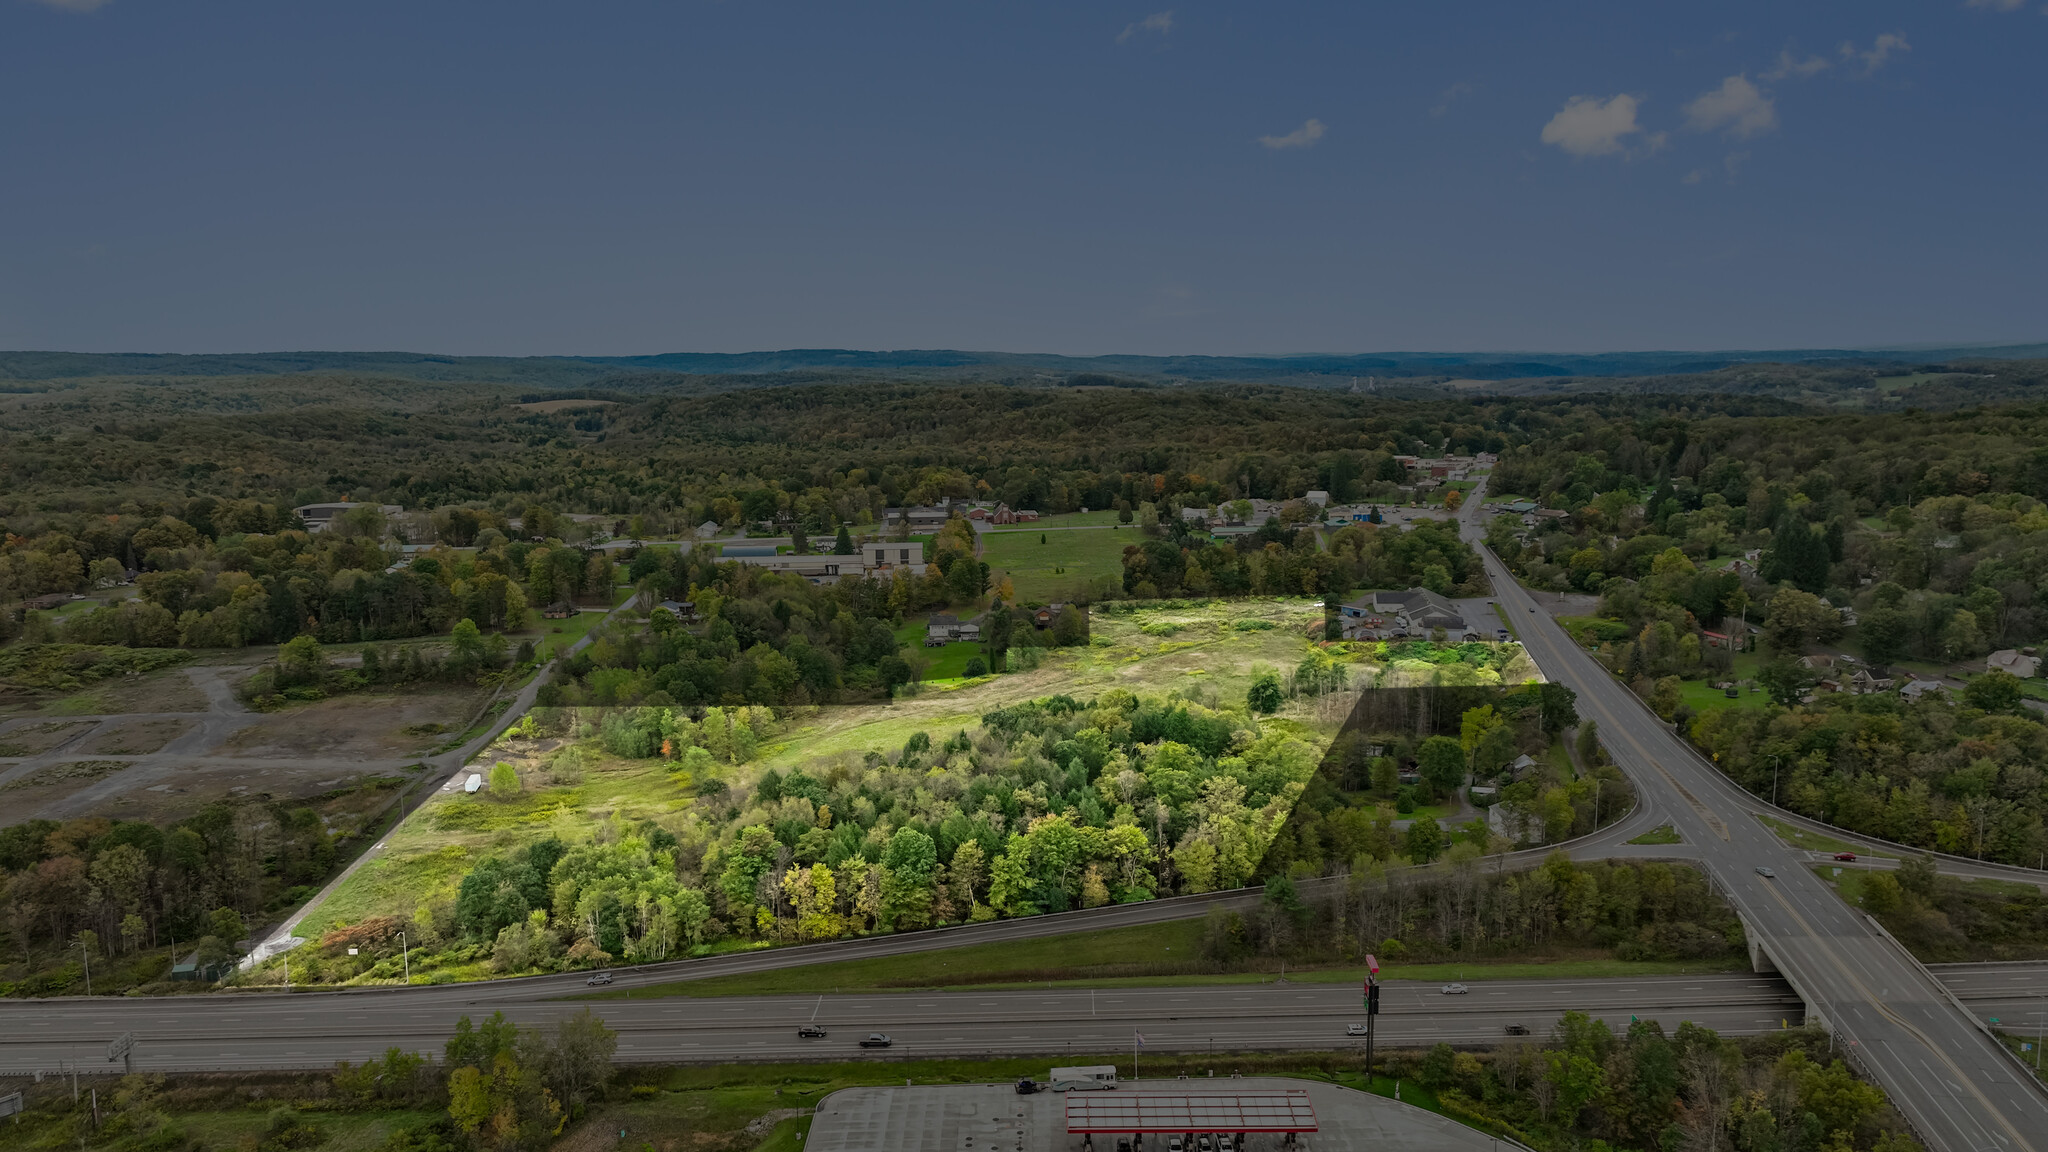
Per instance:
x=1066, y=561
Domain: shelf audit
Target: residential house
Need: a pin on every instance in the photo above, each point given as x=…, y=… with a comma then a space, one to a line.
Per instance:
x=1915, y=689
x=1523, y=766
x=2013, y=661
x=559, y=610
x=1714, y=639
x=683, y=610
x=943, y=629
x=1044, y=617
x=707, y=530
x=1863, y=682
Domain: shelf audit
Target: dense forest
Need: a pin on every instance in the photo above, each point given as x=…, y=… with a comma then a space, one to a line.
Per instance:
x=118, y=894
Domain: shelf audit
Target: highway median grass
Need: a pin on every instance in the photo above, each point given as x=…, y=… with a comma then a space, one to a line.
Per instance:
x=1661, y=834
x=1151, y=955
x=1817, y=841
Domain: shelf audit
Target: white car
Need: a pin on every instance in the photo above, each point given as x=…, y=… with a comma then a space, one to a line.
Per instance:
x=1455, y=989
x=1767, y=874
x=1354, y=1029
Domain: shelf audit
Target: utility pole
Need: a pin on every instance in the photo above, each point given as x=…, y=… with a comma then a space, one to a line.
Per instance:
x=88, y=965
x=405, y=951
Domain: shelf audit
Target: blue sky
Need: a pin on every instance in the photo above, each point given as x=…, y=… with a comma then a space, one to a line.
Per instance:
x=635, y=177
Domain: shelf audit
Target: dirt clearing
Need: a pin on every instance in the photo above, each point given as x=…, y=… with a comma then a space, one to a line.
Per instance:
x=136, y=738
x=36, y=739
x=360, y=726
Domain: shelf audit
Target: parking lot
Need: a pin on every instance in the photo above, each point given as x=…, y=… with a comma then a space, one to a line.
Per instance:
x=993, y=1118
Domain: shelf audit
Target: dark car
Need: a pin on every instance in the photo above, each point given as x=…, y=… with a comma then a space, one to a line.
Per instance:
x=877, y=1040
x=1518, y=1030
x=810, y=1032
x=1026, y=1086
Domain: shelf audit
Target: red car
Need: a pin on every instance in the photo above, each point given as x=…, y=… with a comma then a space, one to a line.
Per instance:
x=1849, y=856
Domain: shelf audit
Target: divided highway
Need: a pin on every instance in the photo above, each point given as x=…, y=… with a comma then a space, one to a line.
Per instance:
x=1959, y=1089
x=316, y=1029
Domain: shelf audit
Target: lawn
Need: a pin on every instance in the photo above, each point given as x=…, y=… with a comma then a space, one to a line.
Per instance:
x=1059, y=568
x=948, y=662
x=1702, y=697
x=556, y=636
x=1098, y=519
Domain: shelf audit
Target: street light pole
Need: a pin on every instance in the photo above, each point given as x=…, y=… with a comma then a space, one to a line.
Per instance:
x=406, y=952
x=87, y=957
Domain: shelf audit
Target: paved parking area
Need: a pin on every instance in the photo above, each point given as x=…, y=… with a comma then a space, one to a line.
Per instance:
x=993, y=1118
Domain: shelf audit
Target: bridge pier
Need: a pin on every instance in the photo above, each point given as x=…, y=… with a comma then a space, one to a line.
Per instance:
x=1759, y=958
x=1760, y=962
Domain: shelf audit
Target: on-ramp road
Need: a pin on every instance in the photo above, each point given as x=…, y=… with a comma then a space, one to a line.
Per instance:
x=1960, y=1090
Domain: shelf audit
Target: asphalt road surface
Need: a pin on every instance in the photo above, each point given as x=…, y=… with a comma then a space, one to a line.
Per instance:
x=315, y=1030
x=1958, y=1087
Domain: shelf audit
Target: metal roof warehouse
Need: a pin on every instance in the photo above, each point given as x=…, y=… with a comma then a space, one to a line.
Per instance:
x=1104, y=1113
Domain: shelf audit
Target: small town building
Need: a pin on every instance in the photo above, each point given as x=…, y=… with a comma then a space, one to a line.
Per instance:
x=320, y=517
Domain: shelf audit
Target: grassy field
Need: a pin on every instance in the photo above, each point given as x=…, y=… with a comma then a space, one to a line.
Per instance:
x=1206, y=653
x=1152, y=955
x=1202, y=650
x=1056, y=569
x=1661, y=834
x=1889, y=384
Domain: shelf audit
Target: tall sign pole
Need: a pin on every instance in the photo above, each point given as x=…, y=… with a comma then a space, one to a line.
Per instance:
x=122, y=1048
x=1372, y=1010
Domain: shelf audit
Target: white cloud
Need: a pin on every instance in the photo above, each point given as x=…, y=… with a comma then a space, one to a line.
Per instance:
x=1789, y=67
x=1302, y=137
x=1160, y=22
x=1737, y=107
x=1999, y=5
x=1451, y=95
x=73, y=5
x=1590, y=126
x=1881, y=50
